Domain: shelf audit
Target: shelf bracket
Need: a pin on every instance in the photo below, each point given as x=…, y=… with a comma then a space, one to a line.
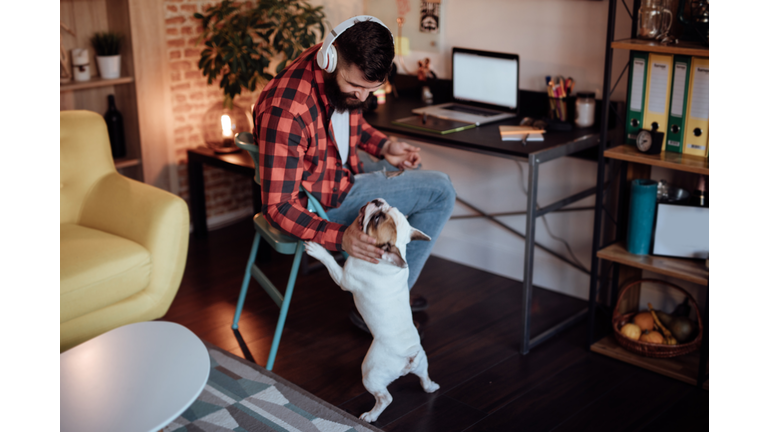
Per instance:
x=628, y=11
x=610, y=216
x=626, y=66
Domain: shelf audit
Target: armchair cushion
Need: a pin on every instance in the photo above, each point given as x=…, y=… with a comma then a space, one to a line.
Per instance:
x=98, y=269
x=123, y=242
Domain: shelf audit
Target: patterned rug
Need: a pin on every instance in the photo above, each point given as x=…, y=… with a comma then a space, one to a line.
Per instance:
x=244, y=397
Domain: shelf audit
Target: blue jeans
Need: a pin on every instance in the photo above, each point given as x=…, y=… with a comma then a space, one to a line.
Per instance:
x=425, y=197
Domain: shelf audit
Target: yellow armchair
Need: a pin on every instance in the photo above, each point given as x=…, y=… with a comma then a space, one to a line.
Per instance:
x=123, y=243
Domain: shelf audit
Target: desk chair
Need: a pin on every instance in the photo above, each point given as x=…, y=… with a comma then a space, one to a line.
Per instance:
x=280, y=242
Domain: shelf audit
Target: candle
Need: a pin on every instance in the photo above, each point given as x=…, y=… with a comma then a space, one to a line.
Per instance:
x=226, y=126
x=381, y=96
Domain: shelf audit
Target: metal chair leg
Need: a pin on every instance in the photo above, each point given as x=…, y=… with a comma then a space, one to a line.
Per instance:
x=285, y=305
x=246, y=280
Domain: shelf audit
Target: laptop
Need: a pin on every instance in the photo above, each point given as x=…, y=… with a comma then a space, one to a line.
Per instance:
x=485, y=88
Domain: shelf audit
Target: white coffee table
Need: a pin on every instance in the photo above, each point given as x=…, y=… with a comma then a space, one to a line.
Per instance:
x=135, y=378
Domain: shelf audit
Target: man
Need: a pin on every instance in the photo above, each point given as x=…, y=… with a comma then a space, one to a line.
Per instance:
x=309, y=126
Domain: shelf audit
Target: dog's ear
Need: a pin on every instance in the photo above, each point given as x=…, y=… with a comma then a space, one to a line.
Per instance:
x=392, y=255
x=418, y=235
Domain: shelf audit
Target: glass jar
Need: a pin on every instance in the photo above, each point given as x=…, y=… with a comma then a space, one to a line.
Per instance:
x=654, y=19
x=585, y=109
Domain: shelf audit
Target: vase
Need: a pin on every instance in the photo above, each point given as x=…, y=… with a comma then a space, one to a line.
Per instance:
x=220, y=125
x=109, y=66
x=642, y=212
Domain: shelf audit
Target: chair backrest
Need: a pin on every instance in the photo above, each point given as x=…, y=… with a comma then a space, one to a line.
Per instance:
x=84, y=157
x=244, y=140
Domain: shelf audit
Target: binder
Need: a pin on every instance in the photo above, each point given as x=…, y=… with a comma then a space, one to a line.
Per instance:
x=678, y=104
x=658, y=83
x=696, y=139
x=638, y=62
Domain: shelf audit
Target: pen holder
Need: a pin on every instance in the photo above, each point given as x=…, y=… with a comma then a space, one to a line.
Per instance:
x=561, y=108
x=642, y=211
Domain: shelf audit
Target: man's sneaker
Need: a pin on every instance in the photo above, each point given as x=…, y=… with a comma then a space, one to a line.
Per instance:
x=418, y=303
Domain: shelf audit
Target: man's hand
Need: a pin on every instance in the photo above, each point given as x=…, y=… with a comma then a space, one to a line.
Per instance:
x=400, y=154
x=360, y=245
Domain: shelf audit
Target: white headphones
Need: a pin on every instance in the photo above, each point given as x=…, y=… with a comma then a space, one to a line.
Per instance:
x=327, y=56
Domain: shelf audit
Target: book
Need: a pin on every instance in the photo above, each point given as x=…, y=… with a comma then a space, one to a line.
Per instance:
x=517, y=133
x=433, y=124
x=636, y=95
x=678, y=104
x=657, y=89
x=696, y=139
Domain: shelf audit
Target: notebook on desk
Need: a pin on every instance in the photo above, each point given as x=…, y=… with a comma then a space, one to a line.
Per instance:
x=433, y=124
x=521, y=133
x=485, y=88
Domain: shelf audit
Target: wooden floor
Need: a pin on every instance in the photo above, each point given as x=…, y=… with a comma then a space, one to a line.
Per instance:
x=471, y=335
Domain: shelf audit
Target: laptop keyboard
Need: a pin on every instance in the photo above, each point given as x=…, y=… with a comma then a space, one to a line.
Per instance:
x=471, y=110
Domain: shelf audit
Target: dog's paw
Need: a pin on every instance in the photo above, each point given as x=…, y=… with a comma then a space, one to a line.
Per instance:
x=368, y=417
x=314, y=250
x=431, y=387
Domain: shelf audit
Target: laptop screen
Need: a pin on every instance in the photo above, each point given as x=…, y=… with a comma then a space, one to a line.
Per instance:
x=486, y=77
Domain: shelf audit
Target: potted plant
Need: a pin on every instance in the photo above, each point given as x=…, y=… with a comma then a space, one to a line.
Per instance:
x=241, y=43
x=107, y=47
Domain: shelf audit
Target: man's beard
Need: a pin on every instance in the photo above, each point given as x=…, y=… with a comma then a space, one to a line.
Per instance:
x=341, y=101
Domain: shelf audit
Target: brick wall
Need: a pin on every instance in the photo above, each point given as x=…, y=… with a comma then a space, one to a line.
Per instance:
x=228, y=196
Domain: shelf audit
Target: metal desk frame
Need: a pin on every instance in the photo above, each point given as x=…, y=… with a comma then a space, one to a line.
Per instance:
x=534, y=160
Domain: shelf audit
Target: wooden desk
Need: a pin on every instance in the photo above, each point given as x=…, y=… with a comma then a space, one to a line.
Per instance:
x=238, y=163
x=486, y=140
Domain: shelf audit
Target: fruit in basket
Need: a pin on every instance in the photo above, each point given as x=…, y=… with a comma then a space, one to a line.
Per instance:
x=644, y=320
x=683, y=309
x=664, y=317
x=652, y=337
x=681, y=328
x=669, y=338
x=631, y=331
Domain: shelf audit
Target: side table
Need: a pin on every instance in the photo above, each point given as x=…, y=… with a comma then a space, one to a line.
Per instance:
x=138, y=377
x=238, y=163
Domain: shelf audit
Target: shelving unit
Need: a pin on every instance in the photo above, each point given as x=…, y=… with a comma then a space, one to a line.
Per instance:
x=125, y=163
x=93, y=83
x=85, y=18
x=692, y=368
x=675, y=161
x=145, y=103
x=683, y=48
x=684, y=368
x=689, y=270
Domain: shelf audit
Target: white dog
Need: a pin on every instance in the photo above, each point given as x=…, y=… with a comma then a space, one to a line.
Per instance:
x=382, y=298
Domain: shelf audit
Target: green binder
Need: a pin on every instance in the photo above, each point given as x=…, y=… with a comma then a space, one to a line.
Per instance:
x=638, y=72
x=678, y=104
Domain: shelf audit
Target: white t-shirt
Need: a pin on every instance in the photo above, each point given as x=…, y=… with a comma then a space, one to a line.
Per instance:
x=340, y=122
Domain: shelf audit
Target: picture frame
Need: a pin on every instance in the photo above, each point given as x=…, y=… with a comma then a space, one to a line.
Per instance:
x=681, y=230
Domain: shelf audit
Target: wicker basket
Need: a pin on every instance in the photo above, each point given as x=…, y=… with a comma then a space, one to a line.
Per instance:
x=651, y=349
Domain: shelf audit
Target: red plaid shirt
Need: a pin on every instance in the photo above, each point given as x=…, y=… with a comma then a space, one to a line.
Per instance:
x=297, y=148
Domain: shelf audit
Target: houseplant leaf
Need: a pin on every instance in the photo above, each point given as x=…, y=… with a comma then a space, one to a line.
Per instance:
x=242, y=41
